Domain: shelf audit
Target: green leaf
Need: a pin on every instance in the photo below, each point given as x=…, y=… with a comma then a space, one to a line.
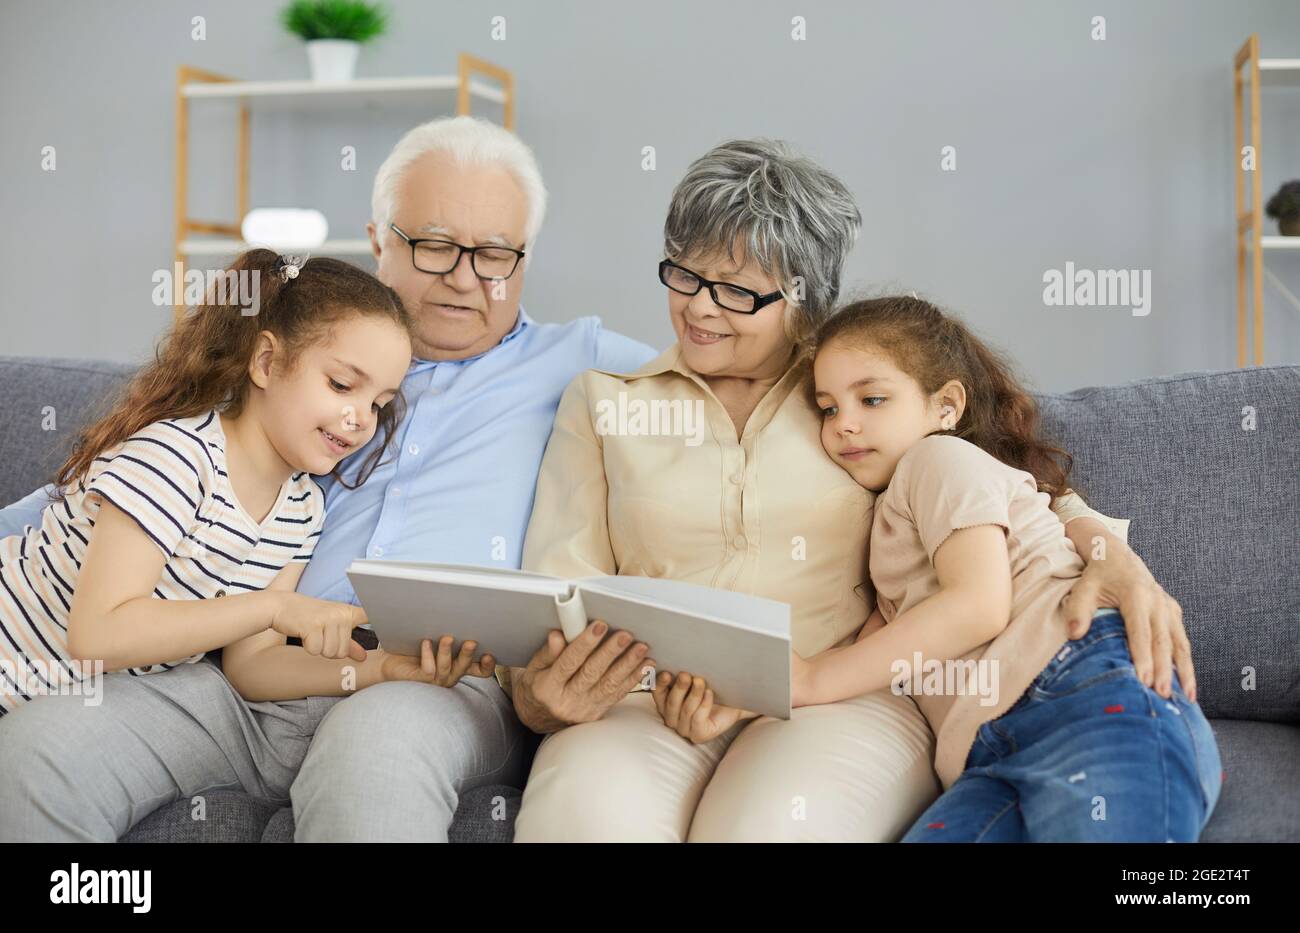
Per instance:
x=334, y=19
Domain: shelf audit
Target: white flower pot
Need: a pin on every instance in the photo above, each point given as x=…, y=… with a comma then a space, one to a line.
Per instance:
x=332, y=59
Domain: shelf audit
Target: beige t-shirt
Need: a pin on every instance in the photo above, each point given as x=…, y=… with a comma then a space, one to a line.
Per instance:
x=941, y=485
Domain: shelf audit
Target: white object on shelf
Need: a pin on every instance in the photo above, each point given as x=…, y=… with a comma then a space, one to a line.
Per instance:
x=285, y=228
x=332, y=59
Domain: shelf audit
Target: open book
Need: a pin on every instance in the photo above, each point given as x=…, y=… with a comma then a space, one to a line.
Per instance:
x=740, y=644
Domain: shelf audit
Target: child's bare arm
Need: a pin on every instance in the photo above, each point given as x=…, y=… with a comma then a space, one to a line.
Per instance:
x=972, y=606
x=114, y=617
x=265, y=667
x=875, y=622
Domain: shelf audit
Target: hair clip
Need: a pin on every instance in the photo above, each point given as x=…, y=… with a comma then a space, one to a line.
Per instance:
x=289, y=266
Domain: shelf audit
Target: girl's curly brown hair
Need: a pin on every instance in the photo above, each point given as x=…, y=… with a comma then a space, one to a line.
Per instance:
x=1000, y=417
x=203, y=362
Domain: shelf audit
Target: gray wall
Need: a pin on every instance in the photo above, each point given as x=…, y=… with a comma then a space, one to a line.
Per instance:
x=1114, y=154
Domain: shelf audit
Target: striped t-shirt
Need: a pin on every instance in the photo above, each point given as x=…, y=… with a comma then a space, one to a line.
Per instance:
x=171, y=478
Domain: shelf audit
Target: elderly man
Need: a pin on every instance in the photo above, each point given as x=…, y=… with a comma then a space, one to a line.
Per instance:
x=455, y=200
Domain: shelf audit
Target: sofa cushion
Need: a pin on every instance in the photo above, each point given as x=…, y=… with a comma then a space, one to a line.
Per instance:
x=229, y=816
x=1260, y=800
x=475, y=821
x=236, y=817
x=1205, y=465
x=46, y=402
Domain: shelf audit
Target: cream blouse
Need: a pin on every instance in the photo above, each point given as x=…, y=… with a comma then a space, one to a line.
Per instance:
x=645, y=475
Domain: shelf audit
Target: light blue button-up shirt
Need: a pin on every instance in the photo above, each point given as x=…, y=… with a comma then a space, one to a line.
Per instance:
x=457, y=485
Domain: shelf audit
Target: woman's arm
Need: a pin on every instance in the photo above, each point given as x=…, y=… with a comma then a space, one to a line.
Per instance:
x=264, y=666
x=971, y=607
x=116, y=619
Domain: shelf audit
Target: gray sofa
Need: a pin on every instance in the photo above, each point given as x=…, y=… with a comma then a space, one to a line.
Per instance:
x=1215, y=508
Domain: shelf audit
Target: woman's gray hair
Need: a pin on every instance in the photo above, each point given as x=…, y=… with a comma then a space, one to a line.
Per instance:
x=797, y=220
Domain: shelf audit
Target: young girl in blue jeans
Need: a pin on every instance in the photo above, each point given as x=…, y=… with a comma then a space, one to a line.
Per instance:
x=1038, y=738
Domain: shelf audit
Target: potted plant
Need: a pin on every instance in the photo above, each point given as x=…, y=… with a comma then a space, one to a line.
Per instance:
x=1284, y=207
x=334, y=31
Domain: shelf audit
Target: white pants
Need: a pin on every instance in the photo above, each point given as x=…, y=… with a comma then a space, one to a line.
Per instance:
x=856, y=771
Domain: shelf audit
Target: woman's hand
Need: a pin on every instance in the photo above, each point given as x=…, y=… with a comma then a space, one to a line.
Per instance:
x=1153, y=618
x=578, y=681
x=441, y=669
x=687, y=708
x=324, y=626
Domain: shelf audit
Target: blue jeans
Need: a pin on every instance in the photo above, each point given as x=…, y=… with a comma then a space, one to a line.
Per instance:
x=1087, y=754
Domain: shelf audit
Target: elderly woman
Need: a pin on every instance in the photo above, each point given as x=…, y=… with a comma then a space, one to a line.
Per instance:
x=755, y=240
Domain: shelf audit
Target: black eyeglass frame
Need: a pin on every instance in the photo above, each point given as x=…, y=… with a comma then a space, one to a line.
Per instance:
x=760, y=301
x=413, y=242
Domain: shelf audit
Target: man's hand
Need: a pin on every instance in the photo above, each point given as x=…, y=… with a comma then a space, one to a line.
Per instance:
x=686, y=706
x=441, y=669
x=578, y=682
x=1153, y=618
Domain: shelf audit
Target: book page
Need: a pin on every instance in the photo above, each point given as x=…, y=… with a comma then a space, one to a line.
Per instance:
x=724, y=606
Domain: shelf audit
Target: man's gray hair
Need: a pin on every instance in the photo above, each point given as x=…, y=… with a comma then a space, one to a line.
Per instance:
x=797, y=220
x=469, y=141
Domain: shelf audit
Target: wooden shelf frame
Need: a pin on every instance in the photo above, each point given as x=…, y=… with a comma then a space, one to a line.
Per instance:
x=1250, y=207
x=1248, y=220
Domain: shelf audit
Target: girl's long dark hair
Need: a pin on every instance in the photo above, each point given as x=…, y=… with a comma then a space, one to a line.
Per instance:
x=933, y=348
x=202, y=363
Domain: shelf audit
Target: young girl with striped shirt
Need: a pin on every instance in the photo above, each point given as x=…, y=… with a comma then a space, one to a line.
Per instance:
x=188, y=511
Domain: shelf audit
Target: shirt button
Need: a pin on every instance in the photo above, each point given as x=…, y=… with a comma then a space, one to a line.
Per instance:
x=220, y=593
x=739, y=542
x=737, y=478
x=377, y=551
x=396, y=490
x=413, y=449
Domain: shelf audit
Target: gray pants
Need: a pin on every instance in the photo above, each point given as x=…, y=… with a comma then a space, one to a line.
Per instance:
x=388, y=763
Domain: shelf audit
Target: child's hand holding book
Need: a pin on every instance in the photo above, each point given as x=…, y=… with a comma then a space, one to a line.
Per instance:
x=442, y=669
x=687, y=707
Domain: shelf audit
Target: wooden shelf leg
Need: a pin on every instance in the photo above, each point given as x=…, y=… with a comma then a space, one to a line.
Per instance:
x=241, y=196
x=182, y=187
x=1257, y=203
x=1240, y=202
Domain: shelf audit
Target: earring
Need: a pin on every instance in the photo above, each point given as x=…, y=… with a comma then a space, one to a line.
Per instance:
x=948, y=422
